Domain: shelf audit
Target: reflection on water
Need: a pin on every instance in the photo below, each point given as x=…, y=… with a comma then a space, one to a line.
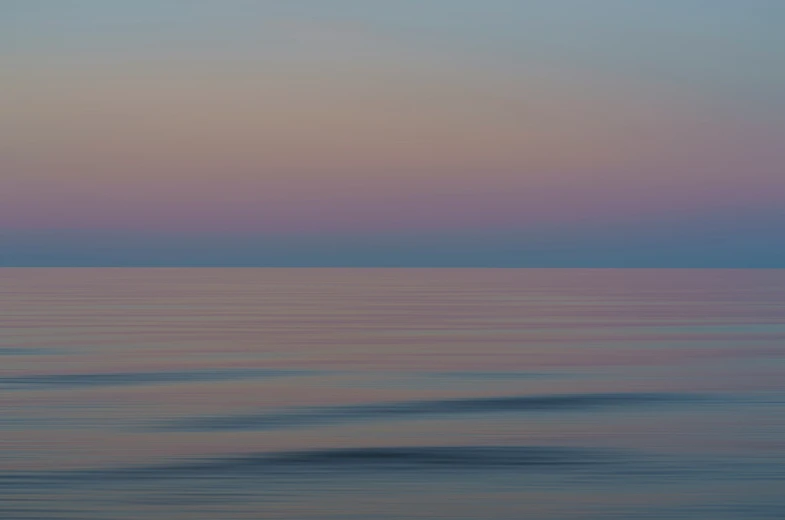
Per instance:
x=384, y=394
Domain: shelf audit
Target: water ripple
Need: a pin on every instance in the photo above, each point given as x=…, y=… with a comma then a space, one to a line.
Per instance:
x=28, y=351
x=44, y=381
x=310, y=416
x=375, y=459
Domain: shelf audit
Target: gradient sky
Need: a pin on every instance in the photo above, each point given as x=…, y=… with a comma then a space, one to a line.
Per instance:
x=571, y=133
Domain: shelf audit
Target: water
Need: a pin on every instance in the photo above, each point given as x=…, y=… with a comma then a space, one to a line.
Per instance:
x=384, y=394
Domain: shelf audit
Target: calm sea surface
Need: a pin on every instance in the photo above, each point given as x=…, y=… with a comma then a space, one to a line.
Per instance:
x=390, y=394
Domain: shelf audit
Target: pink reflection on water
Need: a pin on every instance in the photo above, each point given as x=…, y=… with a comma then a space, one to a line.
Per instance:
x=370, y=335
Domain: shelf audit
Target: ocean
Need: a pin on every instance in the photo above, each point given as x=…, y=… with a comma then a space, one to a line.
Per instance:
x=391, y=394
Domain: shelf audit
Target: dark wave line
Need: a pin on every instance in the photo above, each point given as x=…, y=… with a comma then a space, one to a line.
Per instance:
x=337, y=414
x=496, y=375
x=43, y=381
x=330, y=462
x=31, y=351
x=380, y=459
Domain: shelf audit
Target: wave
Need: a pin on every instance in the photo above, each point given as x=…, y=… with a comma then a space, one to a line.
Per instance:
x=43, y=381
x=378, y=459
x=497, y=375
x=29, y=351
x=296, y=417
x=280, y=466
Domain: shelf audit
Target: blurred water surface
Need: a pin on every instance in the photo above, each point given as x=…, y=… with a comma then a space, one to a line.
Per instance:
x=387, y=394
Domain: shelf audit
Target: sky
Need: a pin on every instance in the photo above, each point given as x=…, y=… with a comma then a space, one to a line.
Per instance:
x=423, y=133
